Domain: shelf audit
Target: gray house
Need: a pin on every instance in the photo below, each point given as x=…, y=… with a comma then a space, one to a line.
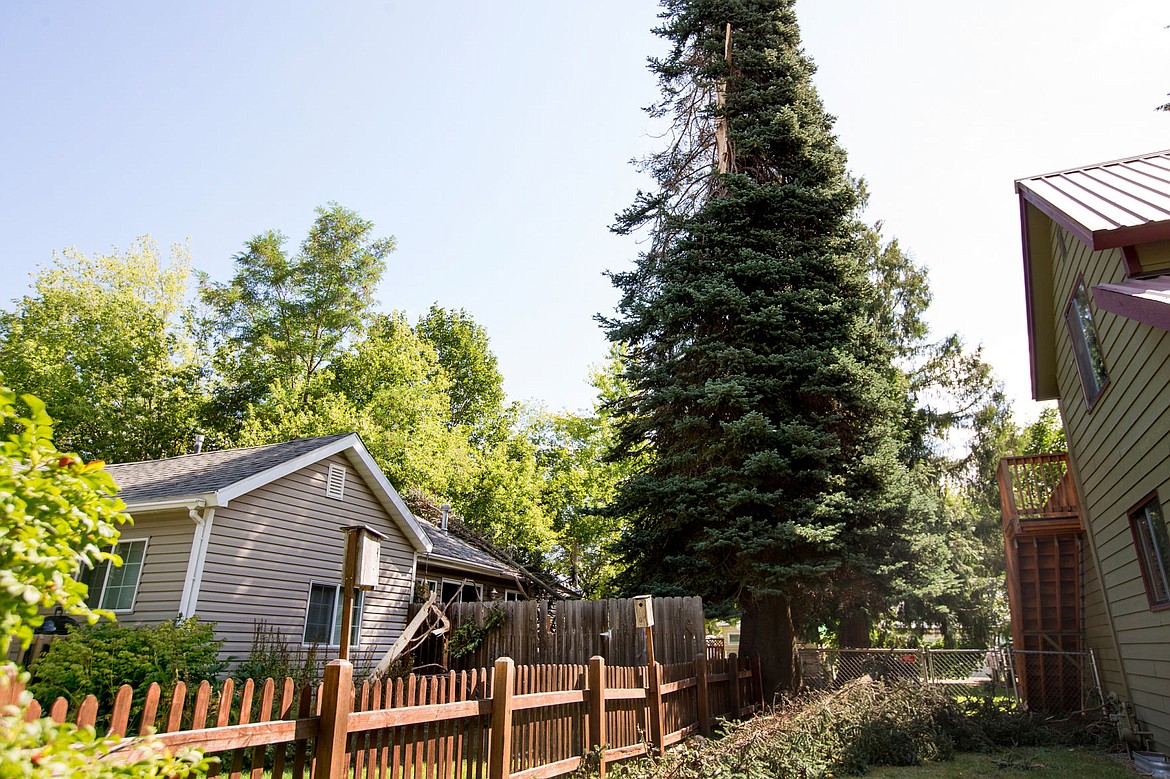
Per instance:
x=242, y=535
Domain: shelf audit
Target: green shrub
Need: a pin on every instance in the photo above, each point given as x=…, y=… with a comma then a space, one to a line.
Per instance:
x=98, y=659
x=271, y=656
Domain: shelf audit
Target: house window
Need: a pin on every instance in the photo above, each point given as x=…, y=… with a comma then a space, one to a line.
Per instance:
x=1086, y=348
x=424, y=587
x=512, y=595
x=1153, y=550
x=460, y=592
x=323, y=618
x=335, y=485
x=111, y=587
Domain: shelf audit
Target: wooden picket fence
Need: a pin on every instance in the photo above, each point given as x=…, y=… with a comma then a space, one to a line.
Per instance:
x=510, y=722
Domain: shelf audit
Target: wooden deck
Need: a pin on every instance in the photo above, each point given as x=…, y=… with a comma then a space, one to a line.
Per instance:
x=1043, y=531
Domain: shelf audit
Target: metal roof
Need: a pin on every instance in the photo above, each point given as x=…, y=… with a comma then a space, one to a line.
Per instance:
x=191, y=475
x=1109, y=204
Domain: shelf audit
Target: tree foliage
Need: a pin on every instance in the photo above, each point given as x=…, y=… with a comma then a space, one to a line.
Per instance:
x=464, y=351
x=101, y=342
x=761, y=387
x=285, y=317
x=59, y=512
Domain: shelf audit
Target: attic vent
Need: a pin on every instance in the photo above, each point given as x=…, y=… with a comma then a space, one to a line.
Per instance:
x=335, y=487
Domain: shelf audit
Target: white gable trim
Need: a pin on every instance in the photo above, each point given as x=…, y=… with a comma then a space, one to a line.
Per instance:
x=352, y=446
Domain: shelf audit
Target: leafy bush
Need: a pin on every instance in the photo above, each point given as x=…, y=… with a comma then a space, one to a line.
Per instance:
x=271, y=656
x=58, y=512
x=98, y=659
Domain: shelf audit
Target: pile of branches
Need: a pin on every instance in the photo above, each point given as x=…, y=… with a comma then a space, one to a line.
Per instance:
x=846, y=732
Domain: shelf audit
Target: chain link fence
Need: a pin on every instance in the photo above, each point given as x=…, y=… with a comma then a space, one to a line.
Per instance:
x=1051, y=681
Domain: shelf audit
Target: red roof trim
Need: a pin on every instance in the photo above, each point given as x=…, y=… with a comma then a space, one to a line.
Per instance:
x=1028, y=306
x=1131, y=191
x=1145, y=300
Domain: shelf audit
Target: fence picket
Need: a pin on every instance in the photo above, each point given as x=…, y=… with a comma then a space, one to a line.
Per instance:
x=149, y=709
x=120, y=718
x=178, y=701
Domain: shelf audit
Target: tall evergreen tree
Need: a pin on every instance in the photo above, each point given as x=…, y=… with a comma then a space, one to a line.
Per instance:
x=762, y=389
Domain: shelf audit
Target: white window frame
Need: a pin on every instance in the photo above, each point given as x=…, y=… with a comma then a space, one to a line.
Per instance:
x=101, y=590
x=513, y=595
x=433, y=585
x=359, y=604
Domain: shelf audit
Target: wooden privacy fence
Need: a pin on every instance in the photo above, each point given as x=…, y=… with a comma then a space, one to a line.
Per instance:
x=513, y=722
x=540, y=631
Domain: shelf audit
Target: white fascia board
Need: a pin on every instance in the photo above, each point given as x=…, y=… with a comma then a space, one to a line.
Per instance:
x=150, y=506
x=256, y=481
x=358, y=455
x=387, y=495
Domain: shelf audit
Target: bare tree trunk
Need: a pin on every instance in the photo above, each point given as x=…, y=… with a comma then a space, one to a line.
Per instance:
x=855, y=631
x=767, y=631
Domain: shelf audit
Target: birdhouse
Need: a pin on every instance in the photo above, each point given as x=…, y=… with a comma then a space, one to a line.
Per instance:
x=644, y=611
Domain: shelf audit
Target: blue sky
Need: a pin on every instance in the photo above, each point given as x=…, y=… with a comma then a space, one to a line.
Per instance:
x=492, y=139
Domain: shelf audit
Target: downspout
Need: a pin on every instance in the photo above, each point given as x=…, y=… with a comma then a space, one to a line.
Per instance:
x=203, y=516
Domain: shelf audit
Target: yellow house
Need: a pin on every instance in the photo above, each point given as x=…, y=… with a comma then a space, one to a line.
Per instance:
x=1096, y=245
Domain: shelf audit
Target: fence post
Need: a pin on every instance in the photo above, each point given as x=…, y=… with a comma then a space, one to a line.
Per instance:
x=736, y=696
x=927, y=665
x=596, y=722
x=654, y=699
x=703, y=694
x=336, y=702
x=503, y=687
x=758, y=681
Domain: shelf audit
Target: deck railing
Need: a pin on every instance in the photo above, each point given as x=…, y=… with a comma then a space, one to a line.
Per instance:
x=1037, y=488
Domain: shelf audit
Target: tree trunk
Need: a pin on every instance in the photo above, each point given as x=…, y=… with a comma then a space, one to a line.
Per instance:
x=767, y=632
x=855, y=631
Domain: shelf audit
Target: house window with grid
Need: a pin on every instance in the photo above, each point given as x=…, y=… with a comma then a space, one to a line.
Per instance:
x=115, y=587
x=1086, y=348
x=1153, y=550
x=323, y=617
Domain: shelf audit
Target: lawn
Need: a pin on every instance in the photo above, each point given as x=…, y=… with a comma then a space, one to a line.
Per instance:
x=1032, y=763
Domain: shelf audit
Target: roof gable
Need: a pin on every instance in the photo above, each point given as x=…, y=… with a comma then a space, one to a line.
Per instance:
x=216, y=478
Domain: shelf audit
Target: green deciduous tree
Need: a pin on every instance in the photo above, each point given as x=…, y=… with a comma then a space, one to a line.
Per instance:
x=463, y=349
x=580, y=482
x=286, y=317
x=759, y=380
x=102, y=341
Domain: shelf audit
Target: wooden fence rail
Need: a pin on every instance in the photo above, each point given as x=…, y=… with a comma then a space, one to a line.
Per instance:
x=512, y=722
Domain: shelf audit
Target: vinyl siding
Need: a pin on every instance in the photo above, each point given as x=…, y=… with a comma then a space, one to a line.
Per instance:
x=168, y=548
x=1121, y=452
x=268, y=546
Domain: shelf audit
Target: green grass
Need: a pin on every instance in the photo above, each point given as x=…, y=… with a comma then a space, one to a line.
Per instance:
x=1025, y=763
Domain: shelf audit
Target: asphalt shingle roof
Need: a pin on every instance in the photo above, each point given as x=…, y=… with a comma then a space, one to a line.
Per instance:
x=447, y=545
x=199, y=474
